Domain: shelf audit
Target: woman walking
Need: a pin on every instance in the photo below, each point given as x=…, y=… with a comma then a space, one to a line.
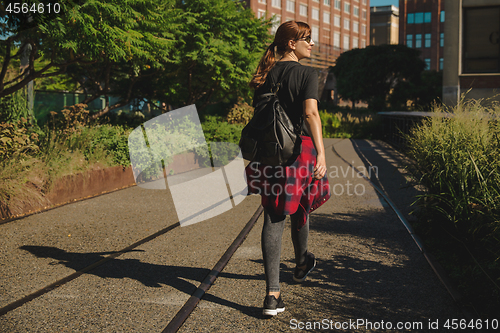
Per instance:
x=300, y=187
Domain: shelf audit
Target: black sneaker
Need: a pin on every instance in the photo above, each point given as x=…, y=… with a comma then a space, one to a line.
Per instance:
x=272, y=305
x=300, y=274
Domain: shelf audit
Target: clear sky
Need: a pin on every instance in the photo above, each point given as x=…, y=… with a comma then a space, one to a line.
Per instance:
x=384, y=3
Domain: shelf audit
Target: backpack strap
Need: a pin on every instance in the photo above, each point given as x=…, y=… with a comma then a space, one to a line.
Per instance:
x=275, y=87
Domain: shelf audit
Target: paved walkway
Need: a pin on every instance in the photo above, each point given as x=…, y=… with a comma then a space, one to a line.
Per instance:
x=369, y=268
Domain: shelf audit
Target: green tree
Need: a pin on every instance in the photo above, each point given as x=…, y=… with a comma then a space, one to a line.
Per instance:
x=178, y=52
x=218, y=47
x=84, y=34
x=372, y=73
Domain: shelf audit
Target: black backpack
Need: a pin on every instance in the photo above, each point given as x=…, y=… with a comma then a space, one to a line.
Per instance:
x=270, y=137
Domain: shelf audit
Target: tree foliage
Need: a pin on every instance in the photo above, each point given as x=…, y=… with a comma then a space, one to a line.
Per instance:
x=178, y=52
x=217, y=51
x=84, y=32
x=376, y=73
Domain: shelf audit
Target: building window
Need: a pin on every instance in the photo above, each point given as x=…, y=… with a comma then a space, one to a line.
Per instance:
x=290, y=6
x=363, y=43
x=418, y=41
x=481, y=53
x=326, y=18
x=346, y=43
x=276, y=3
x=364, y=2
x=427, y=17
x=355, y=43
x=347, y=7
x=336, y=21
x=337, y=4
x=441, y=39
x=364, y=14
x=263, y=1
x=315, y=14
x=315, y=33
x=326, y=2
x=276, y=21
x=347, y=24
x=409, y=41
x=326, y=35
x=303, y=9
x=410, y=18
x=261, y=13
x=363, y=30
x=356, y=11
x=441, y=16
x=336, y=39
x=427, y=64
x=419, y=18
x=427, y=42
x=440, y=64
x=355, y=27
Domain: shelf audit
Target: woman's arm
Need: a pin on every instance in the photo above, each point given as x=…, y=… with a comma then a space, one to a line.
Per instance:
x=313, y=123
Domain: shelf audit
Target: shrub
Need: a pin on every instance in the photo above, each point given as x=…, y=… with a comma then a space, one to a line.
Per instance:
x=346, y=124
x=165, y=140
x=240, y=113
x=216, y=129
x=330, y=123
x=17, y=138
x=13, y=107
x=70, y=120
x=457, y=159
x=31, y=159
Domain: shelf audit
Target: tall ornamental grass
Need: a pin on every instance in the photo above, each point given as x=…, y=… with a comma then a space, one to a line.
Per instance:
x=458, y=158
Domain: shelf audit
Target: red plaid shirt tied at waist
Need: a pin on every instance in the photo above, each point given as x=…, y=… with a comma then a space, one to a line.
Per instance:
x=286, y=190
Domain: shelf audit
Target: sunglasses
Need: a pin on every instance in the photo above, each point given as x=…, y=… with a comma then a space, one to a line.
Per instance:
x=307, y=39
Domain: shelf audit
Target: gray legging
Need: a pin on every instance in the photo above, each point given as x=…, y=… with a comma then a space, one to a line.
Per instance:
x=272, y=233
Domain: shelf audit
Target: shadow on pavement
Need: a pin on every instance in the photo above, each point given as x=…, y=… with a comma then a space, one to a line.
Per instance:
x=151, y=275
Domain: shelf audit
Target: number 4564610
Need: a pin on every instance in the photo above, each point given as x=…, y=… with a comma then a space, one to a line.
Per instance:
x=25, y=8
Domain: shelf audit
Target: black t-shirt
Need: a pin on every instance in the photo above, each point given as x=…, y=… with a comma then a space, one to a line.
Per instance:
x=298, y=84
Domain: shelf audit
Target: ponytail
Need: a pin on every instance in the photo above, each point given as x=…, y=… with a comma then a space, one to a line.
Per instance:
x=266, y=63
x=287, y=31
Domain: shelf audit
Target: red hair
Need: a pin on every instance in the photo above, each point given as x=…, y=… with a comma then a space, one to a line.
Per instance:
x=291, y=30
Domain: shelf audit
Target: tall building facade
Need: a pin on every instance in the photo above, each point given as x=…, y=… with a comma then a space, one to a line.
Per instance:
x=471, y=50
x=421, y=26
x=337, y=25
x=384, y=25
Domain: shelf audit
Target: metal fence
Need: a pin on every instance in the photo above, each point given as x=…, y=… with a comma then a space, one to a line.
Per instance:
x=47, y=101
x=398, y=124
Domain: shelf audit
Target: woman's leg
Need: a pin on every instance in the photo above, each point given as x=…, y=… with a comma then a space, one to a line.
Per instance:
x=272, y=233
x=299, y=239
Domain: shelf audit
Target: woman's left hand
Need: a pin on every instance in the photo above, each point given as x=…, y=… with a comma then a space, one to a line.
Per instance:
x=320, y=168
